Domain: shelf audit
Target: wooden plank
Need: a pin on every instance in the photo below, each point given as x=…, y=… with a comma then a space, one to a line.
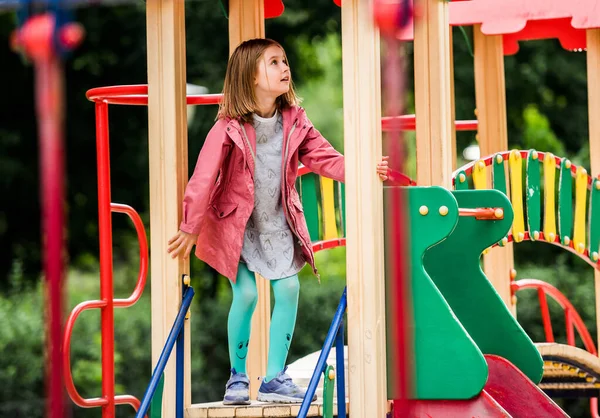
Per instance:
x=364, y=211
x=246, y=21
x=433, y=101
x=167, y=138
x=532, y=196
x=492, y=132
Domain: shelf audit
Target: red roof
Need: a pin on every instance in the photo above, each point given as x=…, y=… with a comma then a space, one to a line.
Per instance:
x=516, y=20
x=521, y=20
x=511, y=16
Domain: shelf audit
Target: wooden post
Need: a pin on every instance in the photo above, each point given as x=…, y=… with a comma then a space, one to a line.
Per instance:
x=593, y=76
x=365, y=273
x=433, y=94
x=167, y=136
x=452, y=101
x=490, y=100
x=247, y=21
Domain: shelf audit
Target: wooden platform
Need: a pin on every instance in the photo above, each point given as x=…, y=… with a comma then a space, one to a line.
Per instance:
x=257, y=409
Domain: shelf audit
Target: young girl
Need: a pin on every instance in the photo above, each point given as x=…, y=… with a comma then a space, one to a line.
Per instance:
x=242, y=210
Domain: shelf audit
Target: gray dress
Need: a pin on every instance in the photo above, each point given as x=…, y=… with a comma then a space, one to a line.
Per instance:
x=269, y=247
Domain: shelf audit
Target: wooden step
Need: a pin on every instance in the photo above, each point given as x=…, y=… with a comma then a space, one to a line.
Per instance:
x=255, y=410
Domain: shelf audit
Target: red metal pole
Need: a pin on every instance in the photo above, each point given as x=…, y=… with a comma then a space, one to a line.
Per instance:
x=399, y=301
x=36, y=39
x=106, y=266
x=50, y=115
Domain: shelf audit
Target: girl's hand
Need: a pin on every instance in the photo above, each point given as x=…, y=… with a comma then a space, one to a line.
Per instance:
x=181, y=244
x=383, y=169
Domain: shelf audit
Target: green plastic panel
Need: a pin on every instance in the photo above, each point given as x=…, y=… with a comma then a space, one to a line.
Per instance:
x=532, y=193
x=455, y=269
x=499, y=174
x=342, y=205
x=461, y=185
x=448, y=364
x=565, y=201
x=328, y=388
x=310, y=183
x=156, y=402
x=594, y=241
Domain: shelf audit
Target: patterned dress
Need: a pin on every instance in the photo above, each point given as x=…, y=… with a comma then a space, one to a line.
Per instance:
x=269, y=247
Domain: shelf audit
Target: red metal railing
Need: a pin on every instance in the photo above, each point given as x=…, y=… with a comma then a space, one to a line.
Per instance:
x=108, y=399
x=572, y=319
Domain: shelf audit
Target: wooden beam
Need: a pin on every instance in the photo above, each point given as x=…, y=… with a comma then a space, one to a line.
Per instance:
x=247, y=21
x=364, y=211
x=593, y=77
x=490, y=101
x=167, y=136
x=452, y=101
x=433, y=94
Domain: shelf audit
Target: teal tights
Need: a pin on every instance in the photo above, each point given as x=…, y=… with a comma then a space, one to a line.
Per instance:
x=283, y=320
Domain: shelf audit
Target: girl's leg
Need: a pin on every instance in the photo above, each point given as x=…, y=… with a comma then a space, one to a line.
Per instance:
x=283, y=322
x=240, y=316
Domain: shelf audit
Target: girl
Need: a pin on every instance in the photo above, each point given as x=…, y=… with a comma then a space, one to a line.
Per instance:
x=242, y=210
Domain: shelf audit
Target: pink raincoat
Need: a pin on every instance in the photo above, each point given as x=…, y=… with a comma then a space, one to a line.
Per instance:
x=219, y=197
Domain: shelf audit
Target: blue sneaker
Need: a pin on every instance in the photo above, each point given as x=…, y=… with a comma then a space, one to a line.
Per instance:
x=237, y=390
x=281, y=389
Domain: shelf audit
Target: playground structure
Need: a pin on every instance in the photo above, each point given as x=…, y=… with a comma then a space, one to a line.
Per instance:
x=449, y=217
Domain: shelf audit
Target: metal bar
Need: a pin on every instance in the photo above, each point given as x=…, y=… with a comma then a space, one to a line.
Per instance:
x=545, y=316
x=322, y=362
x=166, y=353
x=179, y=370
x=341, y=379
x=106, y=262
x=492, y=214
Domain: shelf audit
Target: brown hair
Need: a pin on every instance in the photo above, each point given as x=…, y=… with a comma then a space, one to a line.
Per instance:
x=239, y=101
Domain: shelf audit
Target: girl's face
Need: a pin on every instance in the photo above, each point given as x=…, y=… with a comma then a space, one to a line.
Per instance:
x=273, y=75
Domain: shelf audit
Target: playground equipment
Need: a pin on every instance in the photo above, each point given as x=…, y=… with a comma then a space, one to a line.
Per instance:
x=487, y=360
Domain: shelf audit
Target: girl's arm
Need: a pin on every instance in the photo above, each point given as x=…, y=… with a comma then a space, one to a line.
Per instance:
x=320, y=157
x=197, y=192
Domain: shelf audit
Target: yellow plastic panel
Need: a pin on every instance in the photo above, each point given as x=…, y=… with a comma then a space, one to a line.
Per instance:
x=479, y=175
x=581, y=182
x=515, y=165
x=328, y=202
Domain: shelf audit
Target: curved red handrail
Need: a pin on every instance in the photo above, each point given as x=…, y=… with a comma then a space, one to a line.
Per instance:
x=328, y=244
x=143, y=242
x=121, y=303
x=71, y=389
x=572, y=319
x=137, y=95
